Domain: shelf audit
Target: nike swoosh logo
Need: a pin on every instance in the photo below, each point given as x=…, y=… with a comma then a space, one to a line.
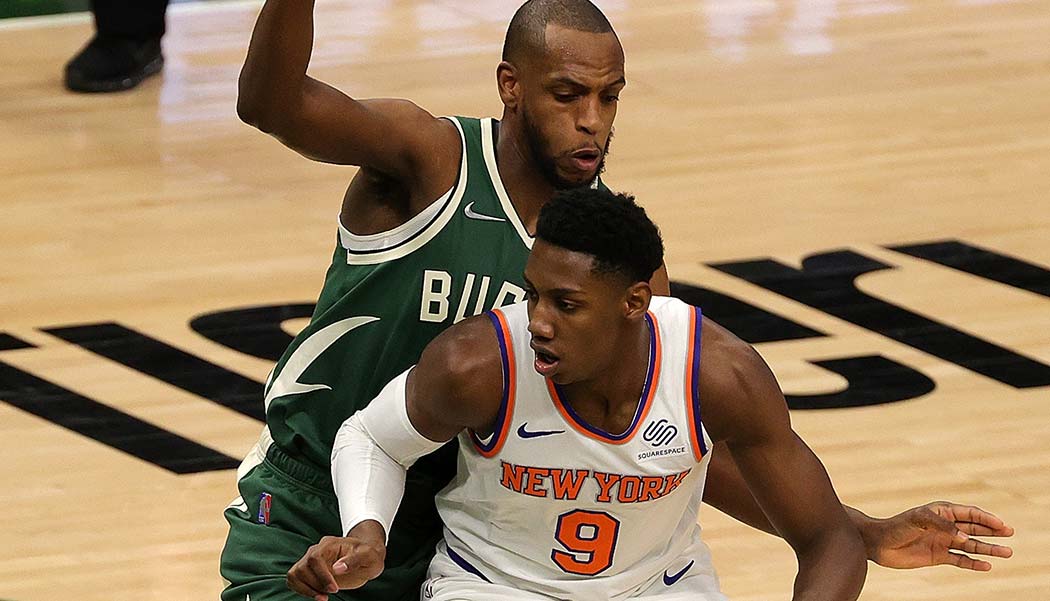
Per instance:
x=670, y=579
x=472, y=214
x=522, y=432
x=287, y=382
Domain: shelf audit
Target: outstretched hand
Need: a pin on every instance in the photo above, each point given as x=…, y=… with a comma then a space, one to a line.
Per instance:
x=336, y=563
x=937, y=533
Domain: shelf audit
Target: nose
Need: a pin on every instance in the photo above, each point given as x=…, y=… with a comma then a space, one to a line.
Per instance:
x=539, y=325
x=589, y=118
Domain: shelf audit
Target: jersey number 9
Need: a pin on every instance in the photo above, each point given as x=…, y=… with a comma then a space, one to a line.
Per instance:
x=590, y=539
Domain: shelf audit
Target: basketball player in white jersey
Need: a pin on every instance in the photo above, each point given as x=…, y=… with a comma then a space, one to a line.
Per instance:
x=586, y=416
x=559, y=80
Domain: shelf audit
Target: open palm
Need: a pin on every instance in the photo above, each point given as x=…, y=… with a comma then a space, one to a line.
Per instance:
x=939, y=533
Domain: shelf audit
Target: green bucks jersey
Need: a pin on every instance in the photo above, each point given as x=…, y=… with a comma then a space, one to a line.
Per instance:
x=387, y=295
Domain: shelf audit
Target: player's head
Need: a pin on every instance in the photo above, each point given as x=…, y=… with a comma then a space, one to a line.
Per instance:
x=587, y=280
x=560, y=78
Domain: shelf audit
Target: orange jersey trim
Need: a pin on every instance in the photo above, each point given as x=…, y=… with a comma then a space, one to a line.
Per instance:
x=651, y=385
x=692, y=383
x=503, y=419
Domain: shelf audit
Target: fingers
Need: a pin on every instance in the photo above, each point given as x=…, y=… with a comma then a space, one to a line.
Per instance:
x=299, y=586
x=966, y=562
x=301, y=581
x=307, y=586
x=971, y=519
x=312, y=576
x=979, y=547
x=363, y=563
x=981, y=530
x=333, y=564
x=322, y=577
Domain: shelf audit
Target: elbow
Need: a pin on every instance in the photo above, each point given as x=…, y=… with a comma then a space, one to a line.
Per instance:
x=252, y=111
x=247, y=110
x=248, y=100
x=255, y=107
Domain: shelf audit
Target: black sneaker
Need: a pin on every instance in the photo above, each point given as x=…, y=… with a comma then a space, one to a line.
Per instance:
x=111, y=64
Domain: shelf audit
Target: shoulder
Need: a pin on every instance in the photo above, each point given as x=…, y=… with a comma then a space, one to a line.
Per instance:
x=738, y=391
x=463, y=370
x=429, y=133
x=406, y=113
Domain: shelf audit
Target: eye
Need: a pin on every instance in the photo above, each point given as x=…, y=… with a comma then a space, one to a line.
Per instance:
x=566, y=98
x=567, y=306
x=612, y=98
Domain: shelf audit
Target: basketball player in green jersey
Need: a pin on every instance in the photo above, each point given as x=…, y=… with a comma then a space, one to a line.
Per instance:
x=434, y=228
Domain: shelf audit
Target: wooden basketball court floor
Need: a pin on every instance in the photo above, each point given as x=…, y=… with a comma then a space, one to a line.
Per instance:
x=900, y=147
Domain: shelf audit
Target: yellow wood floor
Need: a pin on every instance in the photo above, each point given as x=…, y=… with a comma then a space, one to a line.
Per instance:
x=752, y=129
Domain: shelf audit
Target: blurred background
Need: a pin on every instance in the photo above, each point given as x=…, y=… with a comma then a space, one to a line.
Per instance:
x=860, y=188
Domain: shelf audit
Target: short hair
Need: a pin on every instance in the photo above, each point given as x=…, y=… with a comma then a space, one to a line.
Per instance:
x=610, y=227
x=527, y=30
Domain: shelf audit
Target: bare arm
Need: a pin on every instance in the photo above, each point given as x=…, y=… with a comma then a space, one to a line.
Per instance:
x=937, y=533
x=745, y=408
x=458, y=382
x=726, y=489
x=392, y=137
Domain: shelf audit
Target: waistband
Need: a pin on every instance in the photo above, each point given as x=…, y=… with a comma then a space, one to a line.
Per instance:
x=299, y=471
x=429, y=475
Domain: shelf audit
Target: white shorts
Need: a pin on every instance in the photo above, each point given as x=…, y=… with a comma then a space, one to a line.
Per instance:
x=690, y=578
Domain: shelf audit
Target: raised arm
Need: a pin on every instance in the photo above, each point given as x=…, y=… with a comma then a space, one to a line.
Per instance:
x=392, y=137
x=457, y=384
x=743, y=406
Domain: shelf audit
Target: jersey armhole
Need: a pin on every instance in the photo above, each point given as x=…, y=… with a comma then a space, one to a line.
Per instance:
x=370, y=249
x=692, y=384
x=494, y=442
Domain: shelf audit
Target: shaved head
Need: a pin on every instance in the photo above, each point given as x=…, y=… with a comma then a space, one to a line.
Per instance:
x=559, y=80
x=526, y=35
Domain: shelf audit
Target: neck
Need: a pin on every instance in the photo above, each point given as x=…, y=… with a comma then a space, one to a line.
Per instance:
x=526, y=186
x=618, y=388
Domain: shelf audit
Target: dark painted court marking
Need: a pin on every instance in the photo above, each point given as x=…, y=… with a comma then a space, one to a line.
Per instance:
x=872, y=380
x=747, y=321
x=108, y=425
x=827, y=281
x=983, y=263
x=254, y=331
x=168, y=364
x=10, y=343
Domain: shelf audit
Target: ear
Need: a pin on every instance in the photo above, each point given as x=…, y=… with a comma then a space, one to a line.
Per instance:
x=636, y=301
x=509, y=85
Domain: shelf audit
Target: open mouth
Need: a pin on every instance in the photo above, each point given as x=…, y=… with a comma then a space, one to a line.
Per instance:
x=546, y=363
x=586, y=160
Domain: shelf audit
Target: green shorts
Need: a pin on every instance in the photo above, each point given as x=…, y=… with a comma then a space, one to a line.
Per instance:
x=285, y=506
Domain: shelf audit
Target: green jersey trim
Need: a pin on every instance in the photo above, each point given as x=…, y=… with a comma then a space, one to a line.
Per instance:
x=489, y=151
x=408, y=237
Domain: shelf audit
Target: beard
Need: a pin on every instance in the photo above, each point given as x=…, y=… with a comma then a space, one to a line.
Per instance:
x=543, y=156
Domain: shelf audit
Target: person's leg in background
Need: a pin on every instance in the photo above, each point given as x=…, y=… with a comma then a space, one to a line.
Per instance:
x=125, y=49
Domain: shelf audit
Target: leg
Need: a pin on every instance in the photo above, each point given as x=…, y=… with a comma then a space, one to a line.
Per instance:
x=139, y=20
x=125, y=49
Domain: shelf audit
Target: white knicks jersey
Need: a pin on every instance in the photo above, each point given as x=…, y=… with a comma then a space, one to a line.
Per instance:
x=553, y=505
